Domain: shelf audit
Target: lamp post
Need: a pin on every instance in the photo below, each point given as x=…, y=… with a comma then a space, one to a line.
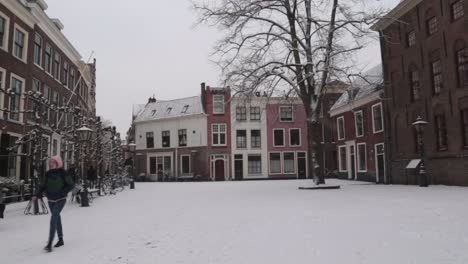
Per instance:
x=420, y=125
x=84, y=134
x=132, y=148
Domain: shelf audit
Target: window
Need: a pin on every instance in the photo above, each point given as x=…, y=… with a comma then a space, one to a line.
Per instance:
x=20, y=44
x=254, y=113
x=182, y=137
x=457, y=10
x=278, y=137
x=38, y=49
x=166, y=139
x=71, y=82
x=35, y=106
x=15, y=99
x=184, y=110
x=255, y=139
x=377, y=117
x=54, y=147
x=219, y=134
x=218, y=104
x=414, y=83
x=441, y=132
x=436, y=76
x=255, y=164
x=295, y=137
x=464, y=116
x=359, y=123
x=57, y=61
x=241, y=113
x=53, y=116
x=48, y=59
x=362, y=157
x=286, y=114
x=275, y=163
x=288, y=161
x=65, y=72
x=149, y=140
x=185, y=164
x=342, y=159
x=432, y=26
x=411, y=38
x=3, y=32
x=462, y=66
x=46, y=115
x=341, y=128
x=241, y=139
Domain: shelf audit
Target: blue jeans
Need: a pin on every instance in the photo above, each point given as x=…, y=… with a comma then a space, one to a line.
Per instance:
x=55, y=220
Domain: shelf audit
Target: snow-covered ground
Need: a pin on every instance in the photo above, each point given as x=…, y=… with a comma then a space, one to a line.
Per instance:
x=251, y=222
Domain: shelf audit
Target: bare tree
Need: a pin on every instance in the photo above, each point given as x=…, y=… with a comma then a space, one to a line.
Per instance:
x=289, y=47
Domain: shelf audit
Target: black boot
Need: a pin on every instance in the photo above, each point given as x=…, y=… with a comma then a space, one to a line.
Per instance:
x=2, y=210
x=48, y=248
x=59, y=243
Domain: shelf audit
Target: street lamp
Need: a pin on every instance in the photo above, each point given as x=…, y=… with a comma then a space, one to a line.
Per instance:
x=131, y=148
x=84, y=134
x=420, y=126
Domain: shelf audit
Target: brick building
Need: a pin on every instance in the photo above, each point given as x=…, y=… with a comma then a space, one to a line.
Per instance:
x=35, y=56
x=424, y=53
x=358, y=118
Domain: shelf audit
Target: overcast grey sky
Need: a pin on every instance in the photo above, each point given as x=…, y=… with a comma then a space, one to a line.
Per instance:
x=143, y=47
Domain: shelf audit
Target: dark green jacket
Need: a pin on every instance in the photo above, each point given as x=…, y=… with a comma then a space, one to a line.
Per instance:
x=57, y=184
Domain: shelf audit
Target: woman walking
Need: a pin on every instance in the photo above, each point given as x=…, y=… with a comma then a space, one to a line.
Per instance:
x=56, y=185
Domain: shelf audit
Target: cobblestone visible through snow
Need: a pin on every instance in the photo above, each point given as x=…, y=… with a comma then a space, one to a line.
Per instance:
x=251, y=222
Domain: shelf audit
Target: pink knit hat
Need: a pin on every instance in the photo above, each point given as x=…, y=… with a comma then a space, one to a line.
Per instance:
x=58, y=160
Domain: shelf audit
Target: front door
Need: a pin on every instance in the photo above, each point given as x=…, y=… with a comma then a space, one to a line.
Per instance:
x=380, y=163
x=238, y=167
x=352, y=163
x=219, y=170
x=301, y=165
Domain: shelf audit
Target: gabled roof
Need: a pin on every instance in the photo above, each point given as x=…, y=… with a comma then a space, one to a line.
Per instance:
x=361, y=87
x=170, y=109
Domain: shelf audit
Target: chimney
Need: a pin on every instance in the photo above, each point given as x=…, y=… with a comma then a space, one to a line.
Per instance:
x=203, y=96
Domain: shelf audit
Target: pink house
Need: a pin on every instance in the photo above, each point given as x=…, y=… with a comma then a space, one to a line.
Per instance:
x=217, y=108
x=287, y=138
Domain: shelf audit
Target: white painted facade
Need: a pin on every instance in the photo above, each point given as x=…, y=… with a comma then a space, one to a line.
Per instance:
x=248, y=125
x=195, y=125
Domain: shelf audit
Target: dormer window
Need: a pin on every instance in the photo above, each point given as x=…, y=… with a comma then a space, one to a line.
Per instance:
x=184, y=110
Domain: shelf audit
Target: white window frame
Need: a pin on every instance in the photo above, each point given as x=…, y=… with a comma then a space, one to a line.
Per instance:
x=269, y=163
x=300, y=137
x=294, y=162
x=284, y=137
x=51, y=66
x=216, y=97
x=219, y=133
x=41, y=57
x=261, y=165
x=359, y=156
x=292, y=114
x=338, y=128
x=21, y=106
x=373, y=119
x=7, y=32
x=345, y=148
x=190, y=165
x=26, y=43
x=356, y=123
x=2, y=87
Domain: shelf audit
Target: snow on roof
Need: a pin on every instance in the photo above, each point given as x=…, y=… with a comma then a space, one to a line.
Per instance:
x=361, y=87
x=137, y=109
x=170, y=109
